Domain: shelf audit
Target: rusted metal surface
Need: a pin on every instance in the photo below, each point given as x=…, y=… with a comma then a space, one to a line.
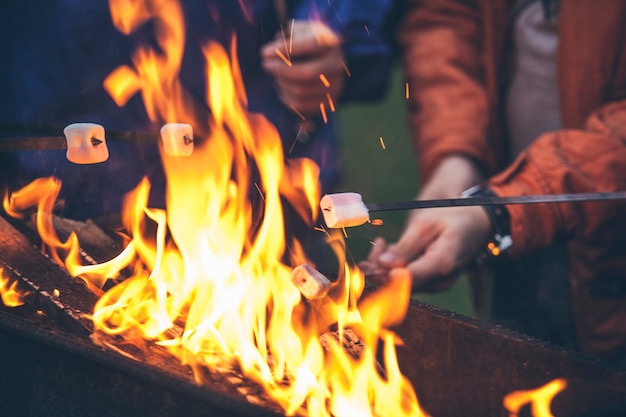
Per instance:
x=459, y=367
x=56, y=317
x=50, y=364
x=51, y=373
x=51, y=289
x=49, y=139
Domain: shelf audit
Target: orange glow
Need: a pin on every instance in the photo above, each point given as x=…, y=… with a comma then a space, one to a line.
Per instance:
x=323, y=112
x=539, y=399
x=324, y=80
x=331, y=103
x=10, y=295
x=210, y=280
x=282, y=56
x=493, y=249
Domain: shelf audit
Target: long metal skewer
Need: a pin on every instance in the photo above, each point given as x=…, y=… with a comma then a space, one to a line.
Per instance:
x=59, y=142
x=492, y=201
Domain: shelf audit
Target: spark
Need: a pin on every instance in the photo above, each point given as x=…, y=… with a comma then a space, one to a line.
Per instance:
x=322, y=229
x=331, y=103
x=291, y=36
x=377, y=222
x=297, y=112
x=259, y=190
x=324, y=80
x=382, y=143
x=372, y=243
x=283, y=57
x=323, y=111
x=293, y=145
x=345, y=233
x=406, y=90
x=287, y=49
x=367, y=30
x=345, y=68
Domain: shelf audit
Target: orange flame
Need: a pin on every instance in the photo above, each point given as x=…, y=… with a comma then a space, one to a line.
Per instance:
x=539, y=399
x=209, y=278
x=10, y=294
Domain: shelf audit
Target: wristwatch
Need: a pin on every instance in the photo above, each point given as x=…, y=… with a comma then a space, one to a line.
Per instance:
x=500, y=221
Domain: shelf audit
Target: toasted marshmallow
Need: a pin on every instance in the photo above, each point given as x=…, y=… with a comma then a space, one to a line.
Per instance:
x=311, y=283
x=344, y=210
x=177, y=139
x=86, y=143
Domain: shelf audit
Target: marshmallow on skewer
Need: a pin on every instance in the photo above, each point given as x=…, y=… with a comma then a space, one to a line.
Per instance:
x=86, y=143
x=177, y=139
x=311, y=283
x=344, y=210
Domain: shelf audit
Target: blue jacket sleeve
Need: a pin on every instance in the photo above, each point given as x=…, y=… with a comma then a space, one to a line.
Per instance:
x=361, y=24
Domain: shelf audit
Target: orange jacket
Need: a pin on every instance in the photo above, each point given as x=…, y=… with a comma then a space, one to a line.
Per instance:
x=453, y=54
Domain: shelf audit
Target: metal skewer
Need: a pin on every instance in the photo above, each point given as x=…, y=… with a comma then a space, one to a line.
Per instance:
x=493, y=201
x=60, y=142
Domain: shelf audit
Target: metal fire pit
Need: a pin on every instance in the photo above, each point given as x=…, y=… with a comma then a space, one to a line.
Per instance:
x=457, y=366
x=49, y=365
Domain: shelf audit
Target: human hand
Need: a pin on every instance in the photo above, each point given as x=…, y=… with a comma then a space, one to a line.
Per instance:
x=436, y=243
x=308, y=65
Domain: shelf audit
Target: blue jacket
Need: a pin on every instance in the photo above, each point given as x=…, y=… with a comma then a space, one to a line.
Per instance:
x=61, y=51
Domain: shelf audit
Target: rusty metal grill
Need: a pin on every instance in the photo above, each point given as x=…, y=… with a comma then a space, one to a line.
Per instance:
x=49, y=365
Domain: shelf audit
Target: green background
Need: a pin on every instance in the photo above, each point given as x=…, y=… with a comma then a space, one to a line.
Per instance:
x=386, y=174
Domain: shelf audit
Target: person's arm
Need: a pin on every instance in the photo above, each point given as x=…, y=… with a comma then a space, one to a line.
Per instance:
x=568, y=161
x=443, y=59
x=361, y=24
x=330, y=53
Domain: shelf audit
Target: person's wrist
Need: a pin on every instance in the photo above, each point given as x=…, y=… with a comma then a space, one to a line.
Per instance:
x=500, y=221
x=454, y=174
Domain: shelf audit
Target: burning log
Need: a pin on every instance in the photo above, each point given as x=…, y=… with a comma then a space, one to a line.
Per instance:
x=67, y=305
x=52, y=290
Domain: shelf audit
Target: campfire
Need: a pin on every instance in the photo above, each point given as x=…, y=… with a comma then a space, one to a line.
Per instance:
x=212, y=279
x=206, y=278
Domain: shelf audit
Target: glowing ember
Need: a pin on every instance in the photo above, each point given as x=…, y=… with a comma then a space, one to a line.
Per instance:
x=210, y=281
x=10, y=295
x=539, y=399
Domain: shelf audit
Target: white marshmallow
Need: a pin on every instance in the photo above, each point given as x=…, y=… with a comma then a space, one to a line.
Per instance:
x=86, y=143
x=177, y=139
x=344, y=210
x=311, y=283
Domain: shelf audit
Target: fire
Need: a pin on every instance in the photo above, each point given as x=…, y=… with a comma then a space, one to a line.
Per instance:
x=539, y=399
x=210, y=280
x=10, y=294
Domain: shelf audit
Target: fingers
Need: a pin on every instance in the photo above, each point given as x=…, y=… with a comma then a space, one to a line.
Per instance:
x=436, y=270
x=308, y=67
x=307, y=95
x=436, y=245
x=302, y=38
x=416, y=237
x=370, y=266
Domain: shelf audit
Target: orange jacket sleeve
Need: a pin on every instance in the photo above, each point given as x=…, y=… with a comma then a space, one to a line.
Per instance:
x=449, y=111
x=568, y=161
